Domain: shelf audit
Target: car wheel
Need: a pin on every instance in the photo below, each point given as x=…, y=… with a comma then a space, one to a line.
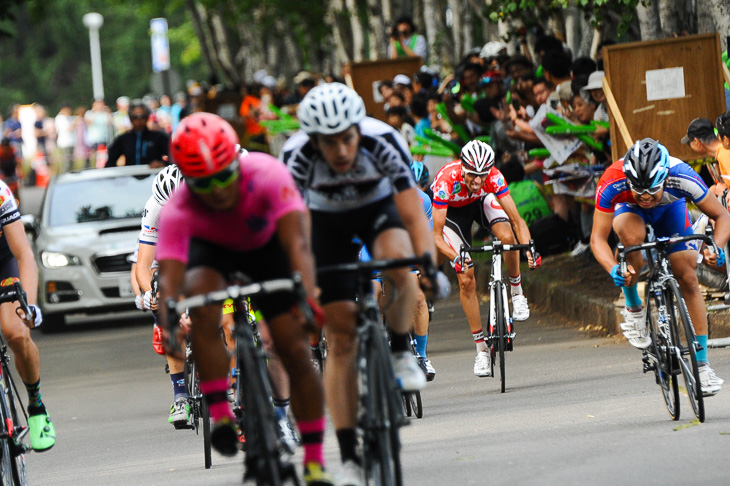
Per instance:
x=53, y=323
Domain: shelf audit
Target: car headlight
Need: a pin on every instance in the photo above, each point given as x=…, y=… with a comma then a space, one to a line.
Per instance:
x=52, y=259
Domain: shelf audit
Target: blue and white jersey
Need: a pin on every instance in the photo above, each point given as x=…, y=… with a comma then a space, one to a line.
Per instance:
x=682, y=183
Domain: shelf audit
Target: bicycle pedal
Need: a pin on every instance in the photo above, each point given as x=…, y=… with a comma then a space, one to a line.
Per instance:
x=186, y=425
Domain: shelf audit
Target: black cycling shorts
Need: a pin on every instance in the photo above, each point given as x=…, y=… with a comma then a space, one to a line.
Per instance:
x=332, y=243
x=460, y=219
x=268, y=262
x=9, y=268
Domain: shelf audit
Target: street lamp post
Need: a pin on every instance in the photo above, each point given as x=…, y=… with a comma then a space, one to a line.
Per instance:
x=93, y=21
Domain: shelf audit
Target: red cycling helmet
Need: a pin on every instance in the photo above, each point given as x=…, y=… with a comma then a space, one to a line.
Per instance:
x=203, y=144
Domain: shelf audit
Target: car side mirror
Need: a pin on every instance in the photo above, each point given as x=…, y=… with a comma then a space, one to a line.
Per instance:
x=29, y=223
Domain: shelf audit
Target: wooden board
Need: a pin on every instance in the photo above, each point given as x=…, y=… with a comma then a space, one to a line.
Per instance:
x=367, y=75
x=664, y=119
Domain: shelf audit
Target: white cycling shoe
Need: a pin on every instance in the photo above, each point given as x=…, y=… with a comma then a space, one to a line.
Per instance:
x=634, y=328
x=520, y=309
x=409, y=374
x=482, y=366
x=350, y=474
x=709, y=382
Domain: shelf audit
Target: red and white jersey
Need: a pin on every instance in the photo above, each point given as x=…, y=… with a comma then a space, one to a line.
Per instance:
x=449, y=188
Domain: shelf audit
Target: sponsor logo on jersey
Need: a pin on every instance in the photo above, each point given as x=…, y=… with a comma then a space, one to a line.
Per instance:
x=441, y=195
x=9, y=281
x=457, y=188
x=288, y=193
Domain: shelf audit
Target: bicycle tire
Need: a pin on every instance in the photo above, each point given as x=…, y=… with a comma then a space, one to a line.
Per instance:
x=417, y=406
x=407, y=409
x=6, y=446
x=262, y=459
x=684, y=338
x=381, y=441
x=205, y=419
x=664, y=369
x=500, y=330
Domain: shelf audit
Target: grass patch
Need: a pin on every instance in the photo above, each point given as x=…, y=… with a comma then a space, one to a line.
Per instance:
x=692, y=423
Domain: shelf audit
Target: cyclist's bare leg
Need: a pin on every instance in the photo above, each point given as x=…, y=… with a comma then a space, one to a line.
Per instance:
x=227, y=325
x=684, y=265
x=469, y=302
x=631, y=230
x=503, y=232
x=176, y=365
x=420, y=321
x=399, y=312
x=17, y=334
x=291, y=339
x=340, y=379
x=277, y=373
x=209, y=352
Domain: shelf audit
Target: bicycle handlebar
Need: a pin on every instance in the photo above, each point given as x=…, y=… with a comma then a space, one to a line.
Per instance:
x=498, y=246
x=661, y=243
x=155, y=286
x=176, y=308
x=424, y=263
x=15, y=293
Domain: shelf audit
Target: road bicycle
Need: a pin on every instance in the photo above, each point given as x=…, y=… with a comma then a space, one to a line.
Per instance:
x=674, y=346
x=500, y=334
x=13, y=425
x=380, y=410
x=266, y=460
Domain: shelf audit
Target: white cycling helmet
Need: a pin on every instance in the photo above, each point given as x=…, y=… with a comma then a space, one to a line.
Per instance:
x=477, y=156
x=330, y=108
x=165, y=183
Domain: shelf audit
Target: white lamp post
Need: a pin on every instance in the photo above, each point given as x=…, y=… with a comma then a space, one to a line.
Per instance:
x=93, y=21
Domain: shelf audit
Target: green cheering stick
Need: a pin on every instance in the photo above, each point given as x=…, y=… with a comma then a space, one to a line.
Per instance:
x=458, y=129
x=282, y=116
x=436, y=151
x=434, y=138
x=592, y=143
x=275, y=127
x=539, y=153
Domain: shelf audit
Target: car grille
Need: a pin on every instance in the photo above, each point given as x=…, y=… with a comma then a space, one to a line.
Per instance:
x=113, y=263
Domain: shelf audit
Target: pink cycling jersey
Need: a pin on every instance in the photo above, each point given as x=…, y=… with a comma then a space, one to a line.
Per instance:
x=268, y=193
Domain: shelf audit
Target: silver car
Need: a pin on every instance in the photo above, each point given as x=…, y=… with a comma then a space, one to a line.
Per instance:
x=84, y=239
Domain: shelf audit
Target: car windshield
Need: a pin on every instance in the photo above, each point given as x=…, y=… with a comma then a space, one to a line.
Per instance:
x=100, y=199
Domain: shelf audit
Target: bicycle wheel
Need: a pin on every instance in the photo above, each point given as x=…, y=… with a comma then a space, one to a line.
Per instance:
x=382, y=441
x=407, y=404
x=263, y=460
x=683, y=335
x=417, y=404
x=500, y=329
x=665, y=370
x=6, y=445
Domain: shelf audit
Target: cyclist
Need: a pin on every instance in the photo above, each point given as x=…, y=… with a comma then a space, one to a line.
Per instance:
x=354, y=173
x=648, y=186
x=163, y=186
x=17, y=260
x=472, y=190
x=240, y=214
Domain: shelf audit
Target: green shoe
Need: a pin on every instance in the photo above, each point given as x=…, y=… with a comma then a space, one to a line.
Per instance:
x=179, y=412
x=42, y=433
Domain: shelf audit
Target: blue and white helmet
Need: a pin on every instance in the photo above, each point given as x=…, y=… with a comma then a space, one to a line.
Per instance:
x=165, y=183
x=330, y=108
x=646, y=164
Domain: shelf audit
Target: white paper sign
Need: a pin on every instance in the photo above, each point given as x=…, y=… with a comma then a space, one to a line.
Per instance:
x=664, y=84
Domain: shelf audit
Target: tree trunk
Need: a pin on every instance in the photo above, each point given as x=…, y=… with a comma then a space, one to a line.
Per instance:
x=386, y=7
x=332, y=18
x=571, y=17
x=378, y=39
x=720, y=12
x=358, y=34
x=431, y=29
x=669, y=17
x=456, y=29
x=649, y=21
x=200, y=32
x=705, y=19
x=292, y=54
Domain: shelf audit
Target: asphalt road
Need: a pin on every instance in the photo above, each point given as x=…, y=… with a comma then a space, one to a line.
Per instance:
x=577, y=410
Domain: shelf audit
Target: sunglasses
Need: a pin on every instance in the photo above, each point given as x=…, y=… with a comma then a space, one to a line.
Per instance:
x=222, y=179
x=651, y=191
x=476, y=174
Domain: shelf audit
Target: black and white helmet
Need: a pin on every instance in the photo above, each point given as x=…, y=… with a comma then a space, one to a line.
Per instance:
x=330, y=108
x=477, y=156
x=165, y=183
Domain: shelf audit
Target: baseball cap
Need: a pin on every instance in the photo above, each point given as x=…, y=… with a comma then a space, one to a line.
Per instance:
x=492, y=49
x=303, y=76
x=402, y=79
x=595, y=81
x=701, y=128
